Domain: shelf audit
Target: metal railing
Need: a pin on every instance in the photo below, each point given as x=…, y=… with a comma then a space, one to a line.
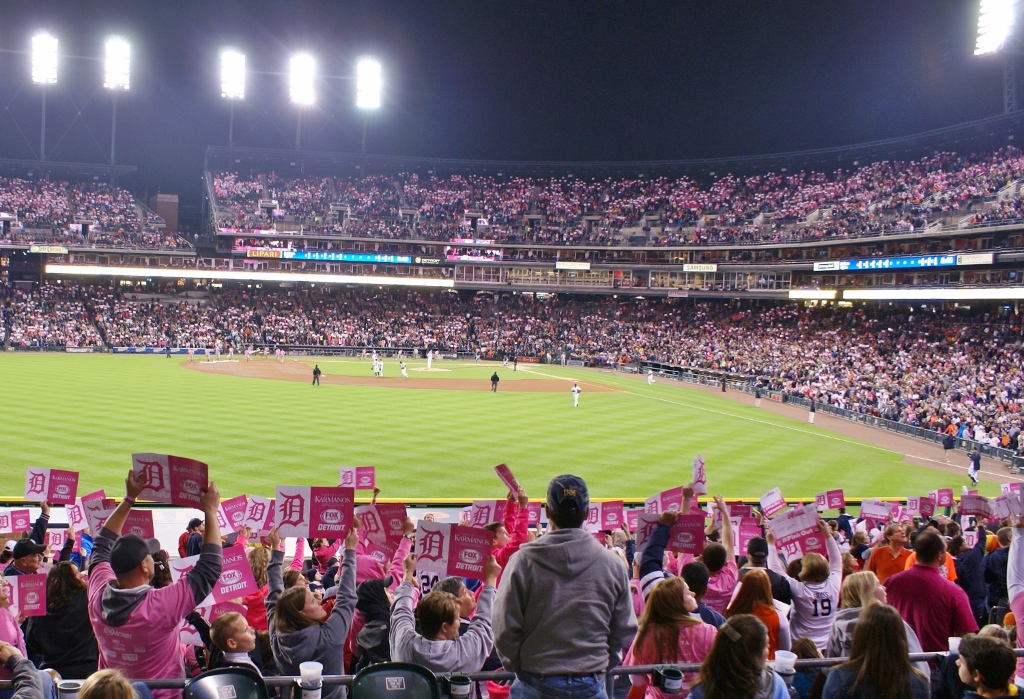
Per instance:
x=332, y=680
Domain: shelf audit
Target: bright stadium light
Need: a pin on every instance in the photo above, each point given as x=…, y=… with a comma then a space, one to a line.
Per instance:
x=117, y=66
x=301, y=79
x=995, y=24
x=44, y=59
x=232, y=74
x=369, y=84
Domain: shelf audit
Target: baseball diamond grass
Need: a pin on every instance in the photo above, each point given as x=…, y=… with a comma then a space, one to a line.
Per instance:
x=90, y=412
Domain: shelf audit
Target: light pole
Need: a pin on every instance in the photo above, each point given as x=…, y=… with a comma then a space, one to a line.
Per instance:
x=301, y=88
x=369, y=84
x=232, y=84
x=44, y=73
x=117, y=78
x=995, y=31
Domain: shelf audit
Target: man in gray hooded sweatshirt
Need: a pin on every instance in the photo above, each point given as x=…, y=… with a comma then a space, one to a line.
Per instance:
x=563, y=611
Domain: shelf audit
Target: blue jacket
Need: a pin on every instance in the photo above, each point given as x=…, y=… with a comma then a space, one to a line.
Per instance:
x=970, y=571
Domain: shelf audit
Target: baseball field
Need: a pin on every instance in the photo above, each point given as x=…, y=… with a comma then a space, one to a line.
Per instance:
x=433, y=436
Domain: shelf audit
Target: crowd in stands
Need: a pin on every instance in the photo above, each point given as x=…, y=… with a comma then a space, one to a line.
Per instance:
x=51, y=211
x=556, y=604
x=882, y=198
x=49, y=317
x=956, y=371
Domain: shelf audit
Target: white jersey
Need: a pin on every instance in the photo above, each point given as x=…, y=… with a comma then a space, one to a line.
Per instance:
x=814, y=604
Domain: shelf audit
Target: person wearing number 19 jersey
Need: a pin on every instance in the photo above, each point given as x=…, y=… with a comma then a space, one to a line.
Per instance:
x=816, y=593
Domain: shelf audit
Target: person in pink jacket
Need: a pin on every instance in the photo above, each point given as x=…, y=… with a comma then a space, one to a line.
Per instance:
x=137, y=626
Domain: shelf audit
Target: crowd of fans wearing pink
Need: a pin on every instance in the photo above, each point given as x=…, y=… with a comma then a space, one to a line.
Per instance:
x=880, y=589
x=881, y=198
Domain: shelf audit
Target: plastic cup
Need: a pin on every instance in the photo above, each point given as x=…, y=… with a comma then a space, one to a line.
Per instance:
x=784, y=661
x=68, y=689
x=460, y=686
x=310, y=673
x=670, y=680
x=954, y=644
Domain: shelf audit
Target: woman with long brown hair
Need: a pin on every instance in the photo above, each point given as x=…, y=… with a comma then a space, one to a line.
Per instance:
x=755, y=597
x=669, y=634
x=63, y=639
x=736, y=667
x=879, y=666
x=300, y=628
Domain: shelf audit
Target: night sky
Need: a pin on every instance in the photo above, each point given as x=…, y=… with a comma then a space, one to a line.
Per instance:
x=524, y=80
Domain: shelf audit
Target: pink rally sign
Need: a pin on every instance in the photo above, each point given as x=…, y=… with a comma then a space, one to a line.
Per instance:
x=259, y=514
x=231, y=513
x=56, y=538
x=973, y=505
x=700, y=477
x=140, y=523
x=236, y=578
x=451, y=549
x=533, y=519
x=772, y=502
x=28, y=595
x=633, y=517
x=330, y=511
x=171, y=479
x=21, y=520
x=50, y=484
x=943, y=497
x=392, y=517
x=505, y=474
x=76, y=513
x=830, y=500
x=797, y=534
x=603, y=516
x=486, y=511
x=358, y=477
x=687, y=535
x=671, y=499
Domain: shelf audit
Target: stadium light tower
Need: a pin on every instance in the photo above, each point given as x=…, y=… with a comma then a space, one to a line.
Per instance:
x=44, y=72
x=369, y=84
x=996, y=19
x=301, y=87
x=232, y=84
x=116, y=78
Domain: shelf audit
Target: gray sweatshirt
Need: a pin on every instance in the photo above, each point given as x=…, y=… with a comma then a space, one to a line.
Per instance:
x=467, y=653
x=563, y=607
x=324, y=643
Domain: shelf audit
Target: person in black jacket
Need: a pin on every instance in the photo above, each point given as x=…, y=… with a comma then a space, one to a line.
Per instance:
x=494, y=382
x=63, y=639
x=970, y=571
x=948, y=445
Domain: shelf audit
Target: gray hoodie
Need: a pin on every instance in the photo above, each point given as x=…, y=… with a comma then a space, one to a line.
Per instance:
x=324, y=643
x=563, y=607
x=840, y=639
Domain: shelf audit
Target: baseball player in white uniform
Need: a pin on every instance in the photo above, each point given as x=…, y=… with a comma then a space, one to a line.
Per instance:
x=650, y=376
x=404, y=373
x=576, y=390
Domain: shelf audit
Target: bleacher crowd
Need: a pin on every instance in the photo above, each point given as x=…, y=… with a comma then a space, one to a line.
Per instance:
x=52, y=211
x=557, y=604
x=877, y=199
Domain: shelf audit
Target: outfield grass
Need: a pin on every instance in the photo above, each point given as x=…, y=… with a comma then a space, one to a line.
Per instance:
x=90, y=412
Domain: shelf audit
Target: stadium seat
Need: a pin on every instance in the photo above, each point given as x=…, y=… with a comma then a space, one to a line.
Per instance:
x=245, y=683
x=395, y=681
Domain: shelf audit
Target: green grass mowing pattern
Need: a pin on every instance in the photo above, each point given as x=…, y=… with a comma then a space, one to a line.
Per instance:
x=90, y=412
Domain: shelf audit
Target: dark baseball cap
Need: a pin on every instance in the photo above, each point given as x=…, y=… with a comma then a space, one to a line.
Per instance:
x=757, y=548
x=131, y=550
x=27, y=547
x=567, y=494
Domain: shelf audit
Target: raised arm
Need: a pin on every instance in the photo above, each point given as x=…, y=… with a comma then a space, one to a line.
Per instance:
x=1014, y=564
x=835, y=556
x=132, y=486
x=730, y=549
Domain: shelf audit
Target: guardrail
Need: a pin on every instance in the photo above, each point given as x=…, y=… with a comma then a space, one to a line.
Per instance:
x=333, y=680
